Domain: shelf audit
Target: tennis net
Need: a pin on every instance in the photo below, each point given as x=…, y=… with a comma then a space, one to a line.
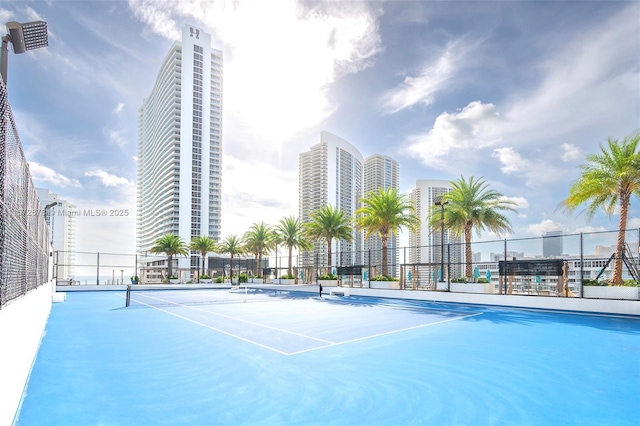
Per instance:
x=189, y=294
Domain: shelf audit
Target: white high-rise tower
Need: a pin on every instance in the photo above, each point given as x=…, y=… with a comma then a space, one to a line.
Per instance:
x=381, y=171
x=426, y=244
x=180, y=146
x=61, y=218
x=331, y=172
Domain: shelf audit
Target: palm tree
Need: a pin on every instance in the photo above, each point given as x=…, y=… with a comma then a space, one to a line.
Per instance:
x=203, y=244
x=328, y=223
x=172, y=245
x=471, y=204
x=290, y=233
x=383, y=213
x=608, y=179
x=258, y=240
x=232, y=245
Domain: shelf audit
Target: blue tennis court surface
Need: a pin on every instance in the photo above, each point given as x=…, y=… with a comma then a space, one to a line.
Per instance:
x=291, y=358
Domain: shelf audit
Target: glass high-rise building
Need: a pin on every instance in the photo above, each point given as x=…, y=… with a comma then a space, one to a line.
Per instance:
x=180, y=146
x=331, y=172
x=426, y=244
x=381, y=171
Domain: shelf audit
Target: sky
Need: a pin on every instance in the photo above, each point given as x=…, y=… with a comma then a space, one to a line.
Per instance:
x=516, y=92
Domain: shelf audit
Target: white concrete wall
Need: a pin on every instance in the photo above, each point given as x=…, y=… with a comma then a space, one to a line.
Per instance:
x=22, y=325
x=572, y=304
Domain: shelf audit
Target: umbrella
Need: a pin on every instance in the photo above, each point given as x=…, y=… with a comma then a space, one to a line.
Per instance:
x=439, y=274
x=488, y=274
x=476, y=273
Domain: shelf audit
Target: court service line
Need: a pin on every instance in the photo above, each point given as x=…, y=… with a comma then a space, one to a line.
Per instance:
x=386, y=333
x=213, y=328
x=238, y=319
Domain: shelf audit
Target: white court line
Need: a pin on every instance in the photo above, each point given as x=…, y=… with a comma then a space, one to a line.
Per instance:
x=234, y=319
x=387, y=333
x=327, y=345
x=211, y=327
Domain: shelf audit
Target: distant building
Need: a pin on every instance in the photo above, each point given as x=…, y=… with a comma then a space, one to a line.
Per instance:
x=61, y=218
x=331, y=172
x=381, y=171
x=180, y=148
x=426, y=244
x=607, y=251
x=552, y=244
x=494, y=257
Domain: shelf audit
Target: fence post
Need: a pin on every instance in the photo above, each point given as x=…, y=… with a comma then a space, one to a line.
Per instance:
x=448, y=267
x=504, y=275
x=581, y=267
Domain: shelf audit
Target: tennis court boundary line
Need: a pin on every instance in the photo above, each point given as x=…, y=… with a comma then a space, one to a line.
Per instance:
x=212, y=328
x=327, y=343
x=387, y=333
x=234, y=318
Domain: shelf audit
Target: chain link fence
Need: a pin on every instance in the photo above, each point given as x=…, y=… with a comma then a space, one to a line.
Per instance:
x=23, y=231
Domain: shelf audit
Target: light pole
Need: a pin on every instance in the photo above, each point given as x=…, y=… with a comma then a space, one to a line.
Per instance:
x=441, y=202
x=23, y=37
x=49, y=221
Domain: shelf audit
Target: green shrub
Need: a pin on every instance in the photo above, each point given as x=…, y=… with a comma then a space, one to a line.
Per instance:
x=631, y=283
x=383, y=278
x=459, y=280
x=219, y=280
x=483, y=281
x=328, y=277
x=243, y=278
x=205, y=277
x=288, y=277
x=595, y=283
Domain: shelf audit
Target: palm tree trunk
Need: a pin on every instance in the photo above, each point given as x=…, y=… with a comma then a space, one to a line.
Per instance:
x=616, y=279
x=203, y=270
x=329, y=241
x=383, y=240
x=290, y=257
x=231, y=270
x=256, y=271
x=468, y=272
x=169, y=266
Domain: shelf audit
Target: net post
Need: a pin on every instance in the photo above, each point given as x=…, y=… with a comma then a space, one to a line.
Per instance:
x=128, y=296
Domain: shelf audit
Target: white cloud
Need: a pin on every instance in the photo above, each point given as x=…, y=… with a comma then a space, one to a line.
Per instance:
x=547, y=225
x=249, y=198
x=116, y=137
x=633, y=222
x=433, y=77
x=535, y=171
x=108, y=179
x=570, y=152
x=520, y=202
x=589, y=86
x=279, y=58
x=510, y=159
x=469, y=129
x=118, y=109
x=591, y=229
x=45, y=174
x=113, y=233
